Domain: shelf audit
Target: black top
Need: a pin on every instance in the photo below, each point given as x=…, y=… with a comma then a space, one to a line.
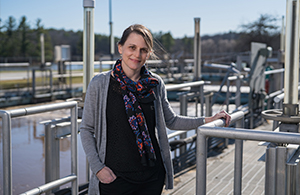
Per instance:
x=122, y=154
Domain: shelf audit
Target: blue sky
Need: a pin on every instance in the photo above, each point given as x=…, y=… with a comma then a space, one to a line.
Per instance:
x=175, y=16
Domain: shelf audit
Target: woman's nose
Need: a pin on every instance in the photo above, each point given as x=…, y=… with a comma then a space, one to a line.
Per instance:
x=137, y=53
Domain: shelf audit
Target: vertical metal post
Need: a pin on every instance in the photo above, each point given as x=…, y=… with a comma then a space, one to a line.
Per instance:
x=88, y=43
x=51, y=83
x=270, y=176
x=74, y=154
x=112, y=42
x=208, y=102
x=183, y=112
x=282, y=41
x=226, y=140
x=7, y=155
x=227, y=95
x=42, y=49
x=52, y=165
x=238, y=161
x=291, y=77
x=281, y=169
x=197, y=50
x=238, y=83
x=100, y=66
x=33, y=83
x=201, y=153
x=202, y=99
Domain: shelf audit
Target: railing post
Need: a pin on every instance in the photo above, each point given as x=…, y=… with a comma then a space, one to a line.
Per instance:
x=202, y=99
x=238, y=161
x=183, y=112
x=33, y=83
x=197, y=50
x=238, y=83
x=52, y=165
x=7, y=155
x=201, y=155
x=74, y=147
x=227, y=95
x=208, y=102
x=281, y=159
x=270, y=175
x=88, y=43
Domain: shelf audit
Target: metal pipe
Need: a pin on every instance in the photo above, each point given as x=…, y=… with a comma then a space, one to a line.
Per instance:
x=238, y=83
x=291, y=54
x=238, y=161
x=42, y=48
x=281, y=70
x=201, y=161
x=227, y=95
x=202, y=99
x=88, y=43
x=281, y=158
x=51, y=156
x=270, y=171
x=282, y=35
x=183, y=85
x=197, y=50
x=183, y=112
x=7, y=155
x=51, y=185
x=6, y=139
x=74, y=154
x=201, y=152
x=256, y=135
x=40, y=109
x=238, y=166
x=112, y=42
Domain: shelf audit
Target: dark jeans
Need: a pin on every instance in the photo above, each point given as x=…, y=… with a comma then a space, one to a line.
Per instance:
x=121, y=186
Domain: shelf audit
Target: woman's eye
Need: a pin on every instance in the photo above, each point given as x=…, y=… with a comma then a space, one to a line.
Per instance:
x=144, y=50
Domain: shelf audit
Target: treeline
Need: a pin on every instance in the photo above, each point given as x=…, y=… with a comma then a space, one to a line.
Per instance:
x=19, y=41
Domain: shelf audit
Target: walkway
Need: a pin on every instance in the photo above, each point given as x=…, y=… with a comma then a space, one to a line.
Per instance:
x=220, y=172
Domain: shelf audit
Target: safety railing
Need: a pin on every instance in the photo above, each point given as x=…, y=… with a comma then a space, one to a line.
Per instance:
x=239, y=134
x=7, y=146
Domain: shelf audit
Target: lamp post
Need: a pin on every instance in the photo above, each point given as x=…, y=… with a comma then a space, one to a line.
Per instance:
x=112, y=43
x=197, y=50
x=88, y=43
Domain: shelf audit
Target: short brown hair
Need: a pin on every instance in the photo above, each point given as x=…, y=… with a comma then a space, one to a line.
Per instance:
x=141, y=30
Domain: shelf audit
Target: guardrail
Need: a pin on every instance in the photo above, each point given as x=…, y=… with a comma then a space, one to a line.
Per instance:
x=7, y=146
x=239, y=134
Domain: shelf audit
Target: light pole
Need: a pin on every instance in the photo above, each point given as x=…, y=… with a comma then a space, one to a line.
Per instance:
x=88, y=43
x=111, y=43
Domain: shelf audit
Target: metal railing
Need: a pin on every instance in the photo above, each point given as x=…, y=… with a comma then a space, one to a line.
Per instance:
x=239, y=134
x=7, y=145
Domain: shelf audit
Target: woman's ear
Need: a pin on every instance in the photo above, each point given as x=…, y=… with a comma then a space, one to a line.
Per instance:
x=120, y=49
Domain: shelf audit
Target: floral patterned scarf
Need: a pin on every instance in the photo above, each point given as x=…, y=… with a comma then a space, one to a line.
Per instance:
x=133, y=93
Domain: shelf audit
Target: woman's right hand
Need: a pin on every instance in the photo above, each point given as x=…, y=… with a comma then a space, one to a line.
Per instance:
x=106, y=175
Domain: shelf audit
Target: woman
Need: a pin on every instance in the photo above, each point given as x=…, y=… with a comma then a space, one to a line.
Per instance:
x=123, y=129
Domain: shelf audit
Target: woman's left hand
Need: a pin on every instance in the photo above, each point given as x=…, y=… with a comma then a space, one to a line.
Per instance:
x=221, y=115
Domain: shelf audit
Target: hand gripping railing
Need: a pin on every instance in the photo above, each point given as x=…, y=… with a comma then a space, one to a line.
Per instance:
x=213, y=130
x=7, y=147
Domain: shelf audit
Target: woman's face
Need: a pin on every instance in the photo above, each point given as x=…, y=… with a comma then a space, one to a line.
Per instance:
x=134, y=52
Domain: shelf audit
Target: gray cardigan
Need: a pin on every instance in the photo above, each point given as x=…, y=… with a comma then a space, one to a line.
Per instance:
x=93, y=126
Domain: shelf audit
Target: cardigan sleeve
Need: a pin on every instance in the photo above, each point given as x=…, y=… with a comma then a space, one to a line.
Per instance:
x=173, y=120
x=88, y=126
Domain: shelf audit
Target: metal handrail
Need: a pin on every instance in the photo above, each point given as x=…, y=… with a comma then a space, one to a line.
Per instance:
x=240, y=134
x=7, y=146
x=184, y=85
x=51, y=185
